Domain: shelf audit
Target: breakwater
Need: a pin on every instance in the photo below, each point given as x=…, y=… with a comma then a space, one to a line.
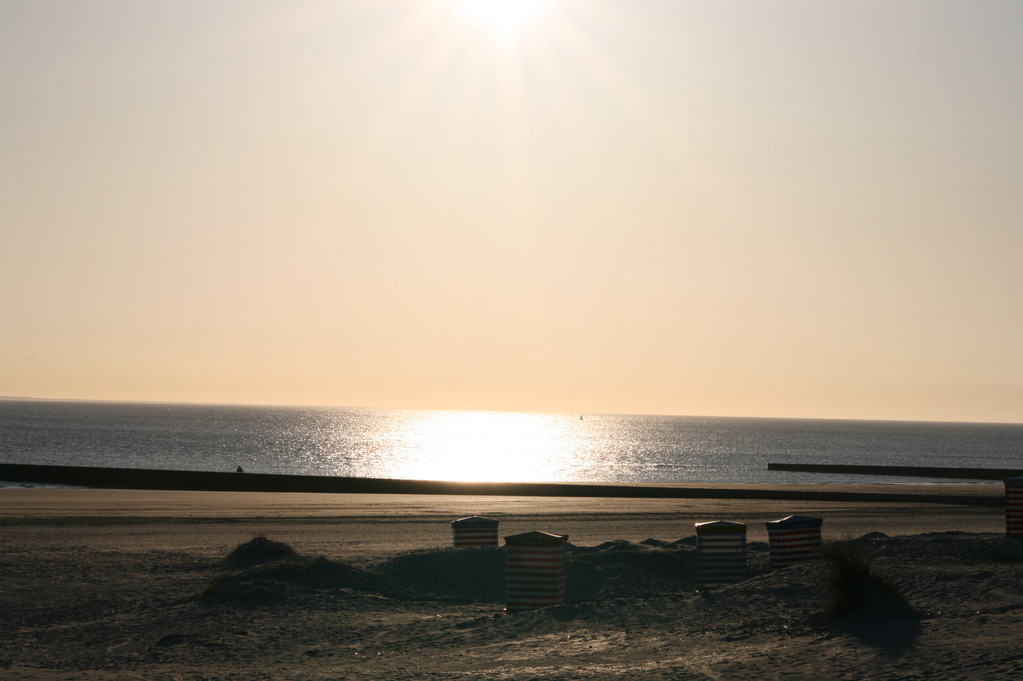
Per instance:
x=150, y=479
x=901, y=471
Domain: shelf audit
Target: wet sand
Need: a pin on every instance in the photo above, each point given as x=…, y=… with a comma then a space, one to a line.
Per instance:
x=363, y=526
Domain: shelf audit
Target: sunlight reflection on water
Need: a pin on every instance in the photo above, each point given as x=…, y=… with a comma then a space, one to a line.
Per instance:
x=471, y=446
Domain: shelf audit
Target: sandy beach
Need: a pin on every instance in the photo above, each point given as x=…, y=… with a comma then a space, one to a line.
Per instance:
x=134, y=585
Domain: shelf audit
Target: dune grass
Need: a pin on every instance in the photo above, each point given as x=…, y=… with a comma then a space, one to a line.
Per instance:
x=850, y=580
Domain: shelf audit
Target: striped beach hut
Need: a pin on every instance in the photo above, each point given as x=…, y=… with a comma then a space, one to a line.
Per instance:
x=794, y=539
x=720, y=553
x=534, y=570
x=474, y=531
x=1014, y=507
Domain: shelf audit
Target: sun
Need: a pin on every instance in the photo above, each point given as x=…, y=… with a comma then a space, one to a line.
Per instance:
x=503, y=19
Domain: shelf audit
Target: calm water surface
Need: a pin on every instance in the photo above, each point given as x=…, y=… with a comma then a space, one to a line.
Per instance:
x=485, y=446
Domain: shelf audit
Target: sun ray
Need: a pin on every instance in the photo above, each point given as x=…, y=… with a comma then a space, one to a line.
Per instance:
x=503, y=19
x=700, y=168
x=437, y=48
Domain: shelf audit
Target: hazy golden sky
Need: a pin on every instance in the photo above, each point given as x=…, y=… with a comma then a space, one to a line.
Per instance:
x=731, y=207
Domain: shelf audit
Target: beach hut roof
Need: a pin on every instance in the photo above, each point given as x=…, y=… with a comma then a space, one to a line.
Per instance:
x=536, y=538
x=720, y=526
x=795, y=522
x=475, y=521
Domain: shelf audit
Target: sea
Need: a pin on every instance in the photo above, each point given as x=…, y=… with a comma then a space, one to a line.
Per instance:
x=484, y=445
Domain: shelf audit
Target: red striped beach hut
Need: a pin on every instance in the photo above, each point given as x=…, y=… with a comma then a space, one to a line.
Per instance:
x=720, y=553
x=534, y=570
x=794, y=539
x=475, y=531
x=1014, y=507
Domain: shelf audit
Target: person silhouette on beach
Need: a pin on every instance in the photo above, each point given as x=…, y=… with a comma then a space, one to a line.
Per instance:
x=239, y=470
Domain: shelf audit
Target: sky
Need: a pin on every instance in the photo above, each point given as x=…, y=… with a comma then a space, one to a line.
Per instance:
x=786, y=208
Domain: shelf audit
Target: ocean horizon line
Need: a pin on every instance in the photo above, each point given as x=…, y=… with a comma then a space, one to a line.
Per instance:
x=111, y=401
